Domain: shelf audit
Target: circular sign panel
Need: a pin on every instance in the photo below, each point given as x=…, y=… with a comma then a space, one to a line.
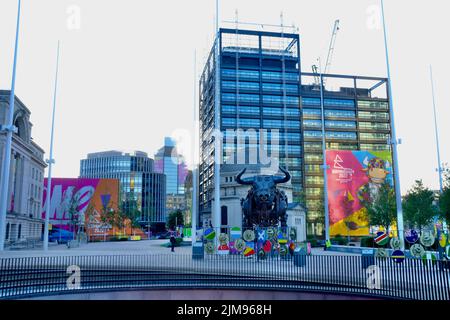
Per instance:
x=210, y=234
x=381, y=253
x=261, y=254
x=411, y=236
x=239, y=245
x=417, y=251
x=395, y=244
x=223, y=238
x=267, y=246
x=381, y=238
x=271, y=233
x=427, y=239
x=209, y=248
x=249, y=235
x=398, y=256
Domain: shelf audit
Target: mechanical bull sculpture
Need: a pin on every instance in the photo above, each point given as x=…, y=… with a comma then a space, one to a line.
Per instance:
x=265, y=205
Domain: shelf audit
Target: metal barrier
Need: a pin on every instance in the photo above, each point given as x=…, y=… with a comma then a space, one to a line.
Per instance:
x=48, y=275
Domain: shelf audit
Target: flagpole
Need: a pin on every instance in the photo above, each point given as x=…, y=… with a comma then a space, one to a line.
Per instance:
x=194, y=210
x=51, y=161
x=438, y=149
x=9, y=129
x=217, y=139
x=394, y=141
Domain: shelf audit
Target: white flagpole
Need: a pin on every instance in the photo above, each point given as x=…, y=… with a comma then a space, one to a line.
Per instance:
x=217, y=139
x=194, y=211
x=9, y=129
x=51, y=161
x=438, y=148
x=394, y=142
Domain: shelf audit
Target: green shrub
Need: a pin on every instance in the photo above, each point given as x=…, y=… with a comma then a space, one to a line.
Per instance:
x=340, y=240
x=367, y=242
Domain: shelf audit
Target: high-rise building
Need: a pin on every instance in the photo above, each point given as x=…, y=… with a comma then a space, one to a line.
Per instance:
x=141, y=188
x=26, y=178
x=267, y=103
x=172, y=164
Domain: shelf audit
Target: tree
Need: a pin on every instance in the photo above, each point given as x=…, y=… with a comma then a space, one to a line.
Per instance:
x=73, y=213
x=175, y=219
x=444, y=198
x=381, y=209
x=418, y=206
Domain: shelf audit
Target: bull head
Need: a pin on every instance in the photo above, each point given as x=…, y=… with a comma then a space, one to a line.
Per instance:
x=263, y=186
x=250, y=181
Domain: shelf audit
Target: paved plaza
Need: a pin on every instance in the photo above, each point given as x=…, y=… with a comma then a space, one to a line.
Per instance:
x=118, y=248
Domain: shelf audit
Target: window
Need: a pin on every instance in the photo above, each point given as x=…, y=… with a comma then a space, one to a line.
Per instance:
x=340, y=124
x=313, y=157
x=280, y=111
x=373, y=115
x=341, y=146
x=314, y=180
x=373, y=136
x=380, y=105
x=254, y=86
x=312, y=123
x=244, y=74
x=341, y=135
x=375, y=147
x=328, y=102
x=224, y=215
x=340, y=114
x=312, y=113
x=374, y=126
x=269, y=75
x=280, y=100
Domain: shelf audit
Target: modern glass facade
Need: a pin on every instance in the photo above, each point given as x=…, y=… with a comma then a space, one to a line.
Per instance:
x=263, y=92
x=172, y=164
x=140, y=188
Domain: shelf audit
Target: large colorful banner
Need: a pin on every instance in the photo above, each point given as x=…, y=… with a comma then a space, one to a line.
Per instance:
x=351, y=174
x=89, y=198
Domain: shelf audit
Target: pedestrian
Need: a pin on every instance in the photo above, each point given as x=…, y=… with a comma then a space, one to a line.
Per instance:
x=172, y=242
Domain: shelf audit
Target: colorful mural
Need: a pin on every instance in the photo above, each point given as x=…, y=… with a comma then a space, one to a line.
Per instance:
x=353, y=176
x=88, y=198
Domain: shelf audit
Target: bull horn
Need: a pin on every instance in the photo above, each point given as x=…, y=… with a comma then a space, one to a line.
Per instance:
x=243, y=181
x=286, y=178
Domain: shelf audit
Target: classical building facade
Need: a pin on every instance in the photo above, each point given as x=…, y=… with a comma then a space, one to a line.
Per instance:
x=23, y=220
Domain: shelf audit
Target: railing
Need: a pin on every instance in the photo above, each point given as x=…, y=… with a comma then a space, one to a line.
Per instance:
x=348, y=275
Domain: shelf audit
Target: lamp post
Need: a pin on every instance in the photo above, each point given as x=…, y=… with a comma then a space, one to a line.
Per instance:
x=9, y=128
x=51, y=161
x=393, y=141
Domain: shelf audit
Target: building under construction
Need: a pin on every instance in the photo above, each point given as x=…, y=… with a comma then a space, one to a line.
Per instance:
x=263, y=91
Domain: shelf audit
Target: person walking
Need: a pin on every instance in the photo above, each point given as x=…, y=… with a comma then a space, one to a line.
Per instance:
x=172, y=242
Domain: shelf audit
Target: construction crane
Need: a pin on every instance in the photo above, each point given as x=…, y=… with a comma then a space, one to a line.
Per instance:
x=329, y=56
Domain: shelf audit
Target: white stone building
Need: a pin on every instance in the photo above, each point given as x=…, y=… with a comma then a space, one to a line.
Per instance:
x=26, y=179
x=231, y=194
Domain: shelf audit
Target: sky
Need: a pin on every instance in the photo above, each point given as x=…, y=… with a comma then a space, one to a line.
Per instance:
x=127, y=68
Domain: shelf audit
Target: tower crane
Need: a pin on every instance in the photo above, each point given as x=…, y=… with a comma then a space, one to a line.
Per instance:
x=329, y=55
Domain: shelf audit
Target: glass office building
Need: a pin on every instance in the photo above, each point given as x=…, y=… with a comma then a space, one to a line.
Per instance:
x=172, y=164
x=140, y=187
x=269, y=106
